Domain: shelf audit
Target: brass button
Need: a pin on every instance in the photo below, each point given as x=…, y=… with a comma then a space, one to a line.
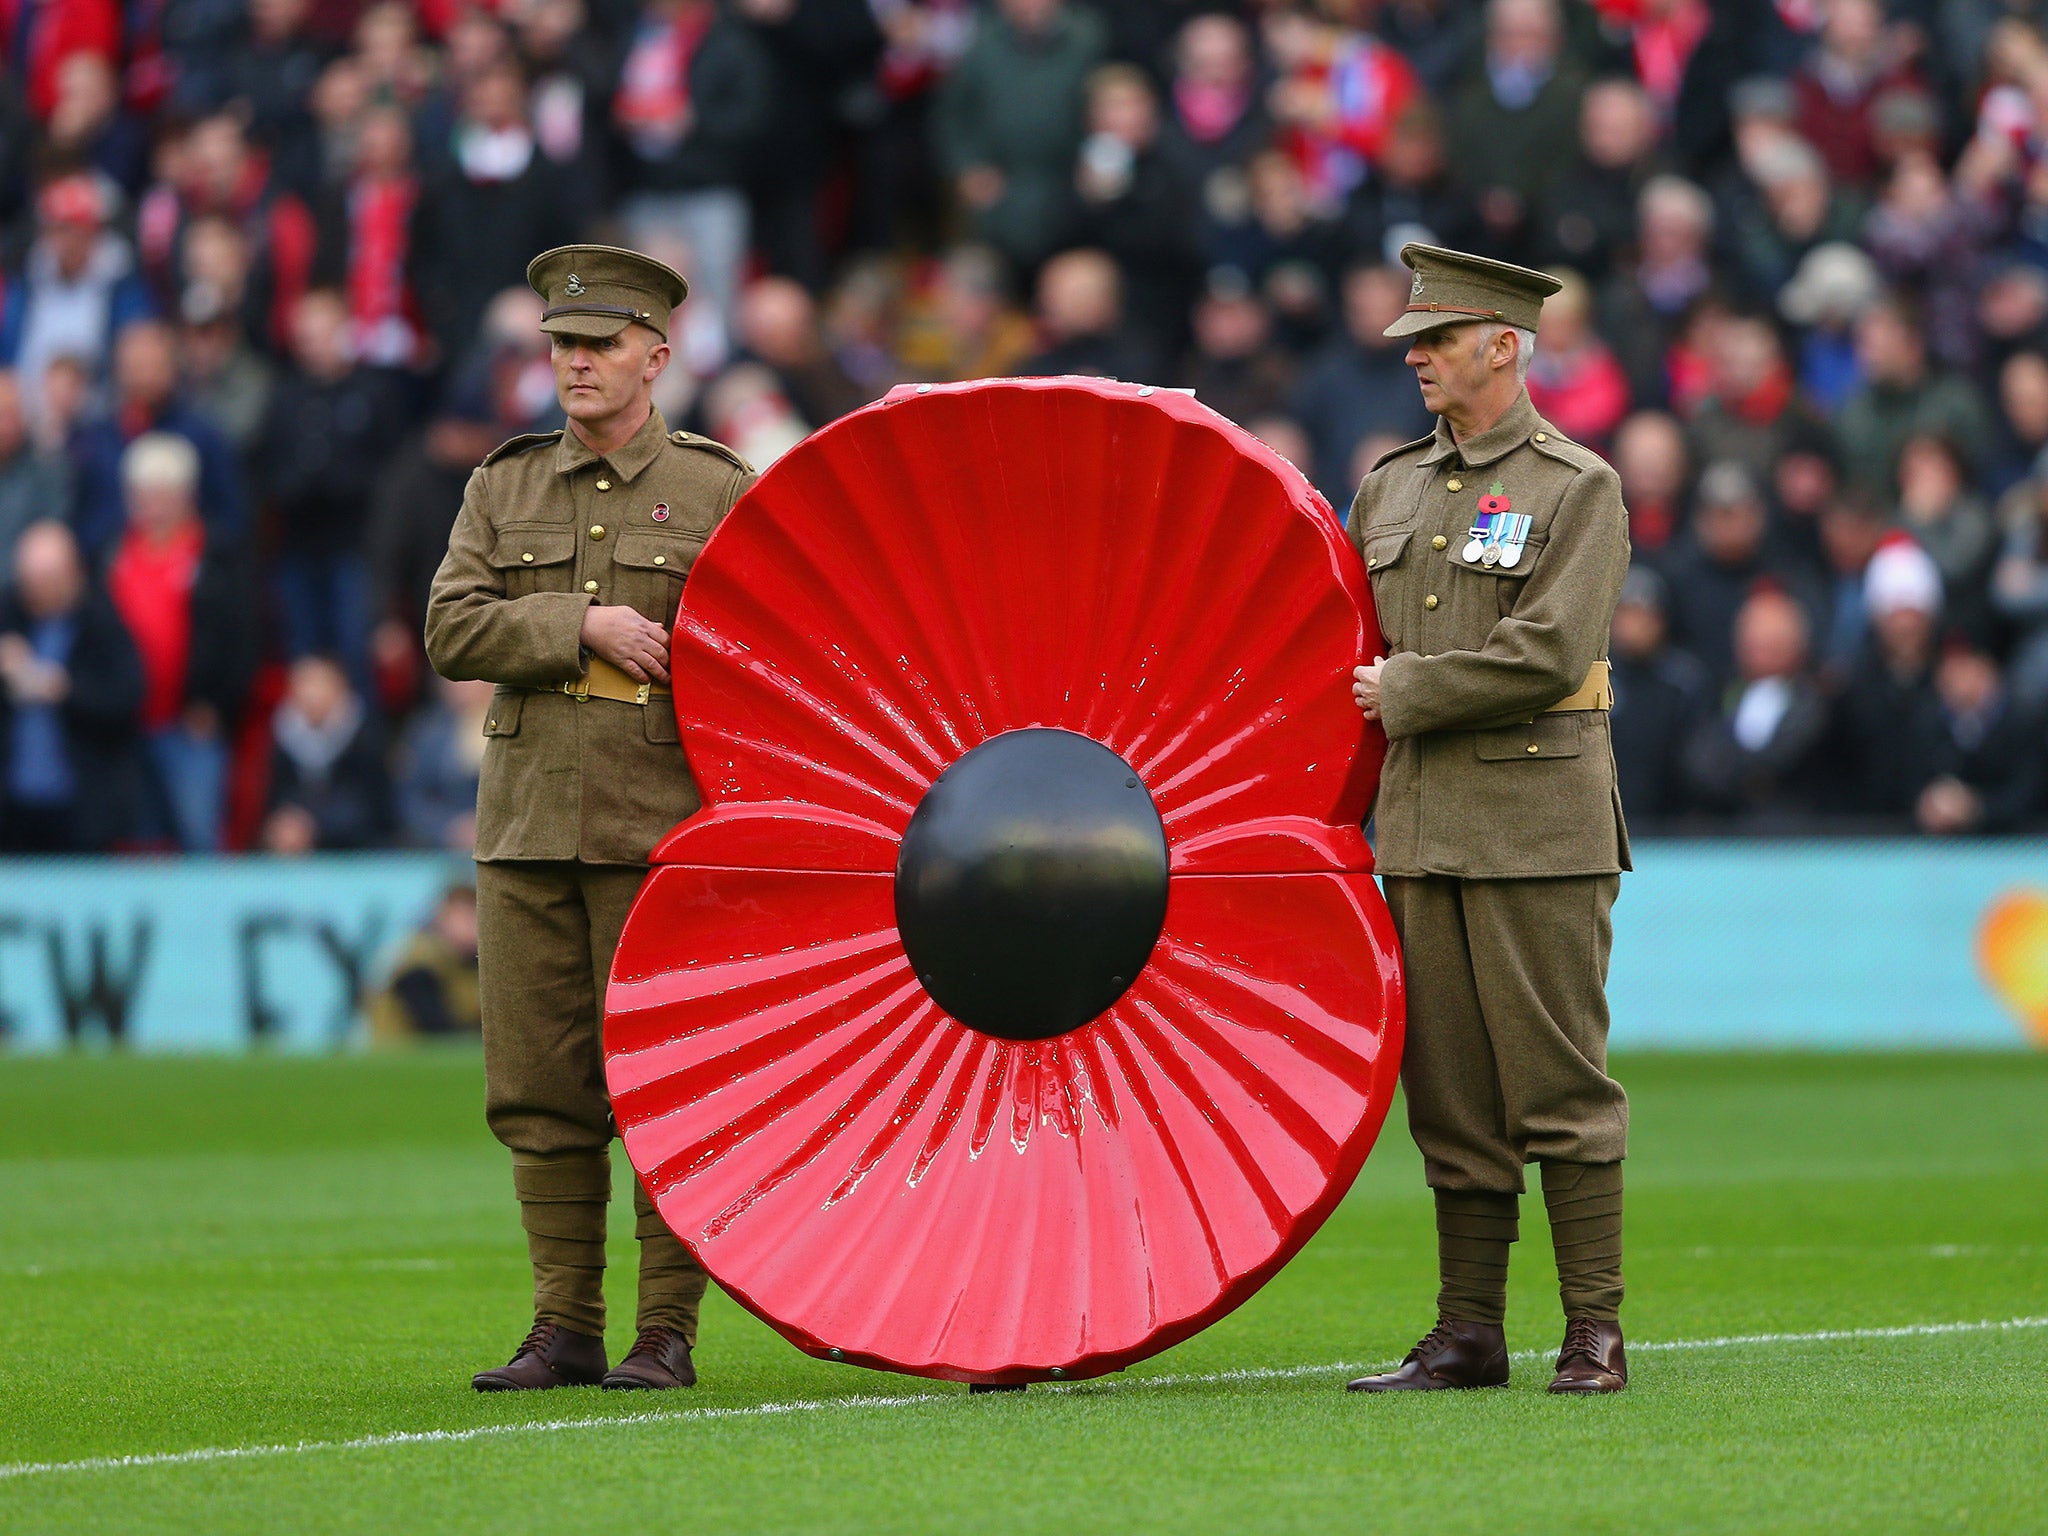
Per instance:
x=491, y=725
x=1541, y=437
x=661, y=559
x=1456, y=485
x=1375, y=560
x=597, y=530
x=1534, y=748
x=604, y=485
x=590, y=586
x=1429, y=601
x=1438, y=542
x=527, y=557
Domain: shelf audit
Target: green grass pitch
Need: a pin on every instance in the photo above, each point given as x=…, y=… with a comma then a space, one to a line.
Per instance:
x=200, y=1256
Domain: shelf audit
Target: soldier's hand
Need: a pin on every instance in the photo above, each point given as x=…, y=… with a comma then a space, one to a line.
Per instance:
x=629, y=640
x=1365, y=687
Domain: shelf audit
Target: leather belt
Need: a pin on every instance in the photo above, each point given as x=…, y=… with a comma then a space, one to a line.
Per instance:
x=1596, y=692
x=605, y=681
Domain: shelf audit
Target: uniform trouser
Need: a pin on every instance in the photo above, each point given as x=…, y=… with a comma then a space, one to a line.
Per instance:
x=1505, y=1063
x=546, y=930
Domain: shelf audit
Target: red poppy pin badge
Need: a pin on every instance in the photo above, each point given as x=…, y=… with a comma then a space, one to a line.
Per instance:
x=1020, y=1000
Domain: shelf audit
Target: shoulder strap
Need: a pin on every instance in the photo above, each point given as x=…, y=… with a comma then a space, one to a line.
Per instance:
x=709, y=445
x=1395, y=453
x=521, y=443
x=1557, y=446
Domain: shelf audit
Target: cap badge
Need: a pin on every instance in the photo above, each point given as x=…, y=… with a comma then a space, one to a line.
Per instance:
x=574, y=287
x=660, y=513
x=1413, y=293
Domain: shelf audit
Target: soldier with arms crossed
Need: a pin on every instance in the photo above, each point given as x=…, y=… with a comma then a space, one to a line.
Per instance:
x=1496, y=550
x=561, y=583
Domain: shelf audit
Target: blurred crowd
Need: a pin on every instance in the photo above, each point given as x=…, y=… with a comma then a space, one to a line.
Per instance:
x=263, y=309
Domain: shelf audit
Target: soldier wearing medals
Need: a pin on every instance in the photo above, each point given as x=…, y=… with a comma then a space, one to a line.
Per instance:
x=563, y=575
x=1496, y=549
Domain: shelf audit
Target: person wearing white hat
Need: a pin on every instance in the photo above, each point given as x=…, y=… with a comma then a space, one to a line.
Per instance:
x=1892, y=684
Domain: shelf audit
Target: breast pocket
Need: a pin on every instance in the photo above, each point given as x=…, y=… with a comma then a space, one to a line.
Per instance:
x=1385, y=549
x=535, y=557
x=650, y=570
x=1499, y=586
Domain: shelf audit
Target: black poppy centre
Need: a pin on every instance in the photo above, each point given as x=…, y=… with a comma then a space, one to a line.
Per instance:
x=1032, y=883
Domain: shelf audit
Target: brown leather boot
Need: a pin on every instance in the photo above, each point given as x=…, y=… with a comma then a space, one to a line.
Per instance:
x=1451, y=1355
x=550, y=1356
x=658, y=1360
x=1592, y=1359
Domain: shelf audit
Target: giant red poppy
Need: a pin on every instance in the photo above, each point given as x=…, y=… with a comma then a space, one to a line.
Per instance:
x=1020, y=1000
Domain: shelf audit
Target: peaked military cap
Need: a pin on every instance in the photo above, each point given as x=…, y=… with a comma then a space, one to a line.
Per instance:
x=599, y=290
x=1452, y=288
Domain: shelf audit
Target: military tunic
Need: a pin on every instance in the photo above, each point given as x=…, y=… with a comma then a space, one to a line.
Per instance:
x=1500, y=835
x=547, y=528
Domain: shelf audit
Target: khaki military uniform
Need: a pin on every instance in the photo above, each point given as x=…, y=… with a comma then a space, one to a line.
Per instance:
x=1500, y=837
x=576, y=789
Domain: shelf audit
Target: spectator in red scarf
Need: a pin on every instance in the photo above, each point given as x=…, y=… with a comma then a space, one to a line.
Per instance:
x=1339, y=94
x=42, y=36
x=186, y=601
x=1662, y=35
x=1655, y=466
x=693, y=95
x=365, y=241
x=215, y=169
x=1574, y=379
x=1751, y=412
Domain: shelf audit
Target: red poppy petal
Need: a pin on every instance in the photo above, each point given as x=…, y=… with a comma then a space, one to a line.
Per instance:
x=1273, y=845
x=873, y=1178
x=942, y=567
x=779, y=835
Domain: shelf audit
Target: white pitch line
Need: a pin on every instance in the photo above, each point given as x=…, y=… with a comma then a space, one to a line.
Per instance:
x=17, y=1469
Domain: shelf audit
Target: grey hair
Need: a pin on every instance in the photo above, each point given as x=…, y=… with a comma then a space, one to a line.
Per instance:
x=1525, y=345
